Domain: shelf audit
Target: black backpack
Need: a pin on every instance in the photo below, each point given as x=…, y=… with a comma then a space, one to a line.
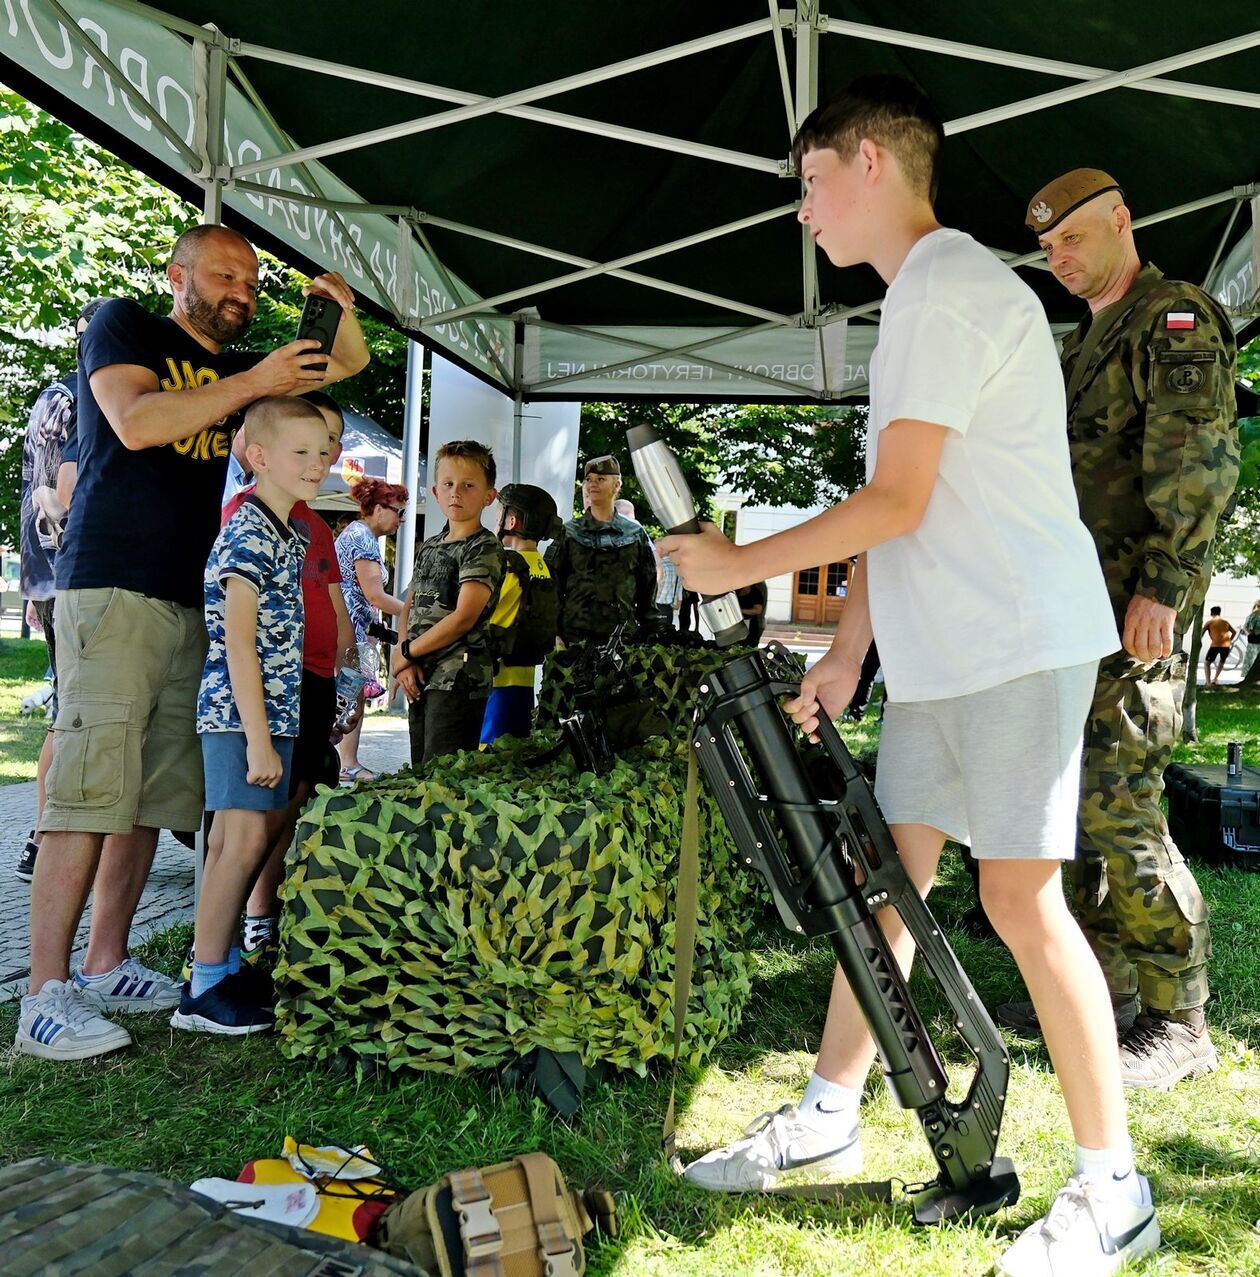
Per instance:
x=534, y=633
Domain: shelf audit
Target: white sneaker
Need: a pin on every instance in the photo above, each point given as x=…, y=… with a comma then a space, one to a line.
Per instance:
x=774, y=1144
x=1086, y=1233
x=130, y=987
x=56, y=1024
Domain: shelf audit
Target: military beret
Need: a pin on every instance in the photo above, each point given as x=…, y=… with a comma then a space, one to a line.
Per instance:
x=1065, y=195
x=602, y=465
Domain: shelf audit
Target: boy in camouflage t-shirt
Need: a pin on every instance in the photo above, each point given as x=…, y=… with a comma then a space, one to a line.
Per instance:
x=445, y=662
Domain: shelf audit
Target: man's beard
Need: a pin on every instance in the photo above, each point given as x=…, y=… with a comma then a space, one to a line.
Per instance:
x=222, y=324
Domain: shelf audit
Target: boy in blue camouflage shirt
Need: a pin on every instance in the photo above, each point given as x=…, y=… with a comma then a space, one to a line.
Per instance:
x=445, y=662
x=247, y=708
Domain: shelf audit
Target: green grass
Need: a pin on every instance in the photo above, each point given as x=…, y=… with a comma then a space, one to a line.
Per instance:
x=201, y=1107
x=22, y=666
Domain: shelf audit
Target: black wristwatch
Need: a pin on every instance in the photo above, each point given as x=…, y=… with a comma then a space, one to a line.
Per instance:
x=405, y=648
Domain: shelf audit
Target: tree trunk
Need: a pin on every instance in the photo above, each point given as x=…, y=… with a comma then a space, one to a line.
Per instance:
x=1189, y=704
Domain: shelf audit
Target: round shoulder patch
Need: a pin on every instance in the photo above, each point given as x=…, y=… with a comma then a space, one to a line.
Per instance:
x=1185, y=377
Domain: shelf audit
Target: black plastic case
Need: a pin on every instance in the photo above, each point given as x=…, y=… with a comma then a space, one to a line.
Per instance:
x=1214, y=816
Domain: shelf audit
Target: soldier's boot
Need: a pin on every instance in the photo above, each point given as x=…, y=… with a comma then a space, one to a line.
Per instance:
x=1022, y=1017
x=1163, y=1047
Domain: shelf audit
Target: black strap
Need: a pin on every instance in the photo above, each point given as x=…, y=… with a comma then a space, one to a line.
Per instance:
x=685, y=906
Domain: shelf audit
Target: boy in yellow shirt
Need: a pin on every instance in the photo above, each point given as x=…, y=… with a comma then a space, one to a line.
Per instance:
x=526, y=615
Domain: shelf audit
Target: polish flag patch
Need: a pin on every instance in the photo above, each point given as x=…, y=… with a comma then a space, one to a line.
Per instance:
x=1179, y=319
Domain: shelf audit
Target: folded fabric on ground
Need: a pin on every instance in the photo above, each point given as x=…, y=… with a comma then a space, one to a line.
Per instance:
x=77, y=1220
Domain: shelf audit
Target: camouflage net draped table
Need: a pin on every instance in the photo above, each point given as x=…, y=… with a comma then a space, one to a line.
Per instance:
x=662, y=674
x=460, y=917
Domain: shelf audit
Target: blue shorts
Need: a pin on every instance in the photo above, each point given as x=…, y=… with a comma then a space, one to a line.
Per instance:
x=509, y=712
x=223, y=757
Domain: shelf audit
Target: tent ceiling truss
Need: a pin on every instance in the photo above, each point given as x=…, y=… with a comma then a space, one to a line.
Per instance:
x=220, y=55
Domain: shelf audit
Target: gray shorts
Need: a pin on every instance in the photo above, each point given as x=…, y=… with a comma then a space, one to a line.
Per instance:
x=999, y=770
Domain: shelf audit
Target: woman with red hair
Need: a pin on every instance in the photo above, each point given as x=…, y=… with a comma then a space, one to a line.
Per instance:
x=382, y=506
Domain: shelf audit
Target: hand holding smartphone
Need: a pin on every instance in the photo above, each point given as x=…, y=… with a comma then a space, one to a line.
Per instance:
x=320, y=317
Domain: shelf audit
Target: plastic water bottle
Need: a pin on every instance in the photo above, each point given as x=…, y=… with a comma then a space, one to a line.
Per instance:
x=350, y=682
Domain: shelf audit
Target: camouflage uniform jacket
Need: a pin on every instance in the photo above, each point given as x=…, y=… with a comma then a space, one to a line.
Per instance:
x=1154, y=438
x=605, y=574
x=442, y=567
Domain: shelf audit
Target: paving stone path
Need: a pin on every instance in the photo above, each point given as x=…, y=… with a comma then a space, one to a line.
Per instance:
x=168, y=897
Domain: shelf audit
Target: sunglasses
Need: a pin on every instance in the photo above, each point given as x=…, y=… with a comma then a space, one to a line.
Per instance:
x=399, y=510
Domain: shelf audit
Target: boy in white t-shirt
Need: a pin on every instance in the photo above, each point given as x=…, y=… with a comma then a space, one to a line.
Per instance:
x=967, y=527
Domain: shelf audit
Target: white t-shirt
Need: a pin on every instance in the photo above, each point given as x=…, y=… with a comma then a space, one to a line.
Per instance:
x=1001, y=578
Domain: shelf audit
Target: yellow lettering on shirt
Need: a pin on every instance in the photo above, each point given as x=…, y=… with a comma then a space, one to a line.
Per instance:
x=210, y=441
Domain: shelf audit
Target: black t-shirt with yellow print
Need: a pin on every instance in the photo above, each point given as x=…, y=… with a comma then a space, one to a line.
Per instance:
x=145, y=520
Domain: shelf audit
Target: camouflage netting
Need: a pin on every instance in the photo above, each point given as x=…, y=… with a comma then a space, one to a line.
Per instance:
x=665, y=675
x=459, y=917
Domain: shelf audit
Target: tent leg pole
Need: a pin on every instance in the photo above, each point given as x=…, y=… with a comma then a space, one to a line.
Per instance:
x=210, y=82
x=518, y=397
x=413, y=450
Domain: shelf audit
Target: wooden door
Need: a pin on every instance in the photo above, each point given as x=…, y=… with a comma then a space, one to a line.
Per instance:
x=818, y=594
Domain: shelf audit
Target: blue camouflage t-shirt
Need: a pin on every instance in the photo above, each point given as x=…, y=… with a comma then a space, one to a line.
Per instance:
x=255, y=547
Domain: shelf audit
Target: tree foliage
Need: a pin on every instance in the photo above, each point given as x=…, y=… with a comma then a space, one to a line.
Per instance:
x=77, y=223
x=776, y=455
x=1238, y=538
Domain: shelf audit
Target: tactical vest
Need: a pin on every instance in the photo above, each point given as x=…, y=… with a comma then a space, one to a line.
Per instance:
x=600, y=591
x=533, y=634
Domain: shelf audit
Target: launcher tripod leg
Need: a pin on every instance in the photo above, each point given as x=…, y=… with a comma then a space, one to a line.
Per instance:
x=811, y=849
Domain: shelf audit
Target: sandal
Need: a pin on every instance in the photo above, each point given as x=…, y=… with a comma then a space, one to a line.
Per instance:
x=353, y=775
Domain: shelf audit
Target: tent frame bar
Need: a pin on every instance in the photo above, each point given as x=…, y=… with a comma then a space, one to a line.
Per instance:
x=555, y=254
x=1029, y=62
x=537, y=115
x=319, y=200
x=489, y=106
x=210, y=65
x=1113, y=80
x=806, y=32
x=780, y=57
x=508, y=379
x=603, y=268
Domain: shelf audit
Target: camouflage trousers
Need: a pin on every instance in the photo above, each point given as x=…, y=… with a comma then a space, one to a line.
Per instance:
x=1135, y=897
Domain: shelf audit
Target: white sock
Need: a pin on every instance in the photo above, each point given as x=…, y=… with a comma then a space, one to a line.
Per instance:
x=825, y=1102
x=1111, y=1168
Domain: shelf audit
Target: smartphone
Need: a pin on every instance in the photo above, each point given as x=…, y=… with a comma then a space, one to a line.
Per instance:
x=320, y=317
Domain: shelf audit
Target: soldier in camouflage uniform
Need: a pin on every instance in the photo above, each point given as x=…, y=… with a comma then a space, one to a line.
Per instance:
x=603, y=565
x=445, y=663
x=1152, y=427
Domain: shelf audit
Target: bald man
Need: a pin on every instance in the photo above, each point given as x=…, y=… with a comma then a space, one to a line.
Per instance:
x=1154, y=443
x=159, y=400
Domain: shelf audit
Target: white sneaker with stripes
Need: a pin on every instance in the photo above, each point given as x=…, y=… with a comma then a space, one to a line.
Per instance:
x=130, y=987
x=56, y=1024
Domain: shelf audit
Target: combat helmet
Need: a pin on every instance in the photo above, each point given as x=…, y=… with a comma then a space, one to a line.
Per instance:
x=535, y=506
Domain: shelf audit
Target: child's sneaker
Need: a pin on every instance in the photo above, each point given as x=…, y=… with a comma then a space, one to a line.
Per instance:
x=1087, y=1232
x=231, y=1007
x=130, y=987
x=774, y=1144
x=57, y=1024
x=25, y=867
x=262, y=957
